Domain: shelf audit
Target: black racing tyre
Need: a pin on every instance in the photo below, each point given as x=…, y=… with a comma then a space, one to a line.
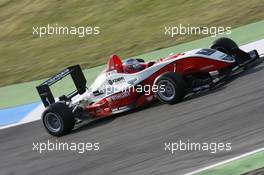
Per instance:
x=58, y=119
x=224, y=45
x=171, y=88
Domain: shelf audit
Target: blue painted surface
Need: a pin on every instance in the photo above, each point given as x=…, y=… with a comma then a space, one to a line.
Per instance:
x=15, y=114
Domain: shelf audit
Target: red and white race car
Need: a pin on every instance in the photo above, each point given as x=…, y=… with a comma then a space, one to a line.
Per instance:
x=132, y=83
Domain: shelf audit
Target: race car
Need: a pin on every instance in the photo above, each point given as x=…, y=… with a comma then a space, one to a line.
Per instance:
x=128, y=84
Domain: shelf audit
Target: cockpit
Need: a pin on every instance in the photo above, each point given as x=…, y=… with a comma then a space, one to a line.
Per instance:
x=130, y=65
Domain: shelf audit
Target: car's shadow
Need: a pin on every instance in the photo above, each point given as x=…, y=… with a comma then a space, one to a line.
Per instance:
x=254, y=68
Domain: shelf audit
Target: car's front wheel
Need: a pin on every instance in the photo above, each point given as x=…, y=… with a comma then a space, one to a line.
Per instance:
x=58, y=119
x=225, y=45
x=171, y=88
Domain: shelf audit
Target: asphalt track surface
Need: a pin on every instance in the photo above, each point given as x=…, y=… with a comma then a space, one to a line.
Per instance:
x=133, y=143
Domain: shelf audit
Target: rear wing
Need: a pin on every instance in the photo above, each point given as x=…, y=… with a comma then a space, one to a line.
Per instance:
x=77, y=76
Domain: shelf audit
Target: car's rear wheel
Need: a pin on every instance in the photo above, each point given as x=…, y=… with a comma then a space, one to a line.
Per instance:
x=58, y=119
x=171, y=88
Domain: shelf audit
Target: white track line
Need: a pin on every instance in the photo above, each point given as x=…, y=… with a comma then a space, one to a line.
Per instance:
x=259, y=45
x=226, y=161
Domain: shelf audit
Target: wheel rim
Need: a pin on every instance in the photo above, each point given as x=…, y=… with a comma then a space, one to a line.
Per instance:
x=52, y=122
x=169, y=91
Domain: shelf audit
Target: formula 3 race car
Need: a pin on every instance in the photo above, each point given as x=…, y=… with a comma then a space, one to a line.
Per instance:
x=133, y=83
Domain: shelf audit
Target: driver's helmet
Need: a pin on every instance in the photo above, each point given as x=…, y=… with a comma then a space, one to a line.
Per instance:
x=133, y=65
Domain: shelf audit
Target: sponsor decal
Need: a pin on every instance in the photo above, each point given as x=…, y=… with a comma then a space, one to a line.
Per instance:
x=122, y=108
x=58, y=77
x=131, y=82
x=118, y=96
x=116, y=80
x=98, y=93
